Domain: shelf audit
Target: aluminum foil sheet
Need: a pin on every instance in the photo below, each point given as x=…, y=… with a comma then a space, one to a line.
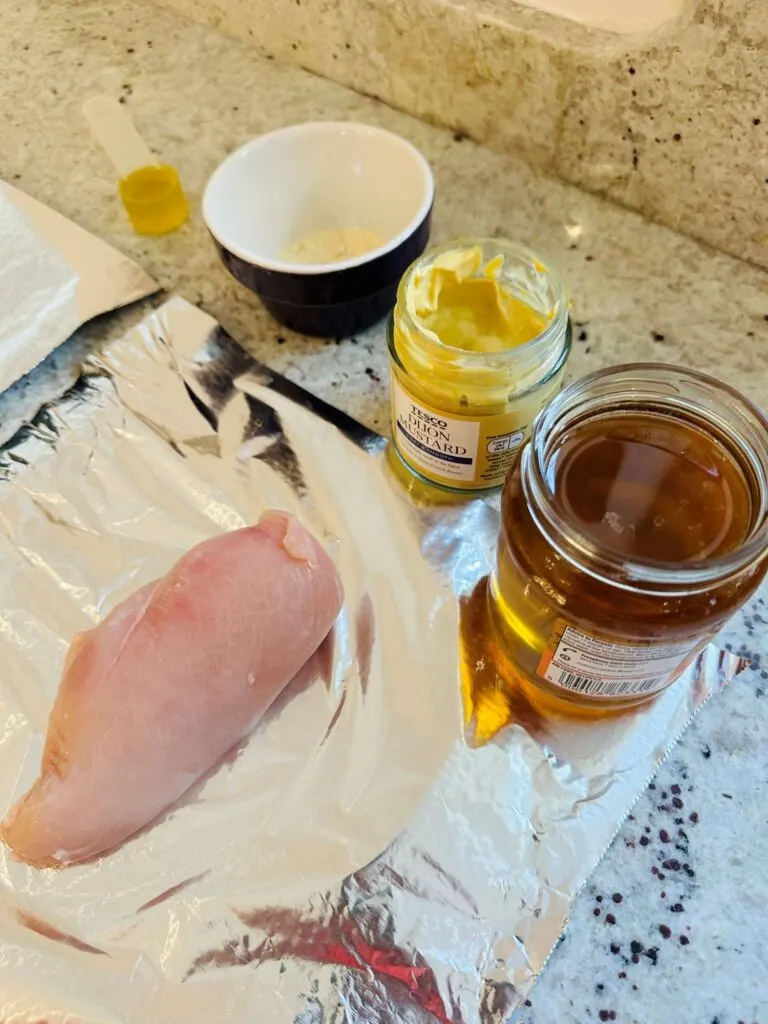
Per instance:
x=54, y=277
x=368, y=856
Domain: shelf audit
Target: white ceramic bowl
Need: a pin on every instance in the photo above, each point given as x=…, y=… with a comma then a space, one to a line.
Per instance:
x=290, y=183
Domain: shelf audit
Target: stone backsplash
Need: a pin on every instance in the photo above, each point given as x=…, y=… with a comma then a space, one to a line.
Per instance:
x=674, y=125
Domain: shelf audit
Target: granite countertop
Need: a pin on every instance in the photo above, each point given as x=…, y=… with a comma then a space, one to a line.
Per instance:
x=671, y=924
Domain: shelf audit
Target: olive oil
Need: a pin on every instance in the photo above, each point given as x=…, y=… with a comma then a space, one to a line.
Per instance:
x=154, y=199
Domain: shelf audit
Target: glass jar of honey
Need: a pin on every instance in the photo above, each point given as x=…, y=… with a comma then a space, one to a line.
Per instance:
x=634, y=523
x=478, y=342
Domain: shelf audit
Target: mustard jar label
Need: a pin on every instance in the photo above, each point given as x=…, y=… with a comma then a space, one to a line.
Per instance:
x=459, y=451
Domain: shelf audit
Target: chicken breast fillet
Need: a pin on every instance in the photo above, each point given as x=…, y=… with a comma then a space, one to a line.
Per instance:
x=155, y=695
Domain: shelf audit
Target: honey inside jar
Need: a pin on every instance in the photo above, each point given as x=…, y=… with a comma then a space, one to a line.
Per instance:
x=633, y=525
x=652, y=487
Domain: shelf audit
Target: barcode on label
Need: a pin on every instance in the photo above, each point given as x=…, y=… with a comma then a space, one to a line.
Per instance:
x=615, y=688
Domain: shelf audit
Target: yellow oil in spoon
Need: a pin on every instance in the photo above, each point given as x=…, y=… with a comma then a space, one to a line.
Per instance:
x=151, y=192
x=154, y=199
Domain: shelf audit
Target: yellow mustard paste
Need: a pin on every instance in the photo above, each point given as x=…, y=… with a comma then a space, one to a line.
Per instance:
x=478, y=343
x=462, y=303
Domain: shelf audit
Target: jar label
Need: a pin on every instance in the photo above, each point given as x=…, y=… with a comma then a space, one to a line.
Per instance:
x=600, y=668
x=456, y=451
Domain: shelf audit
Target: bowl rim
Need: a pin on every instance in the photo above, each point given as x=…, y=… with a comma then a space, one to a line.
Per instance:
x=310, y=269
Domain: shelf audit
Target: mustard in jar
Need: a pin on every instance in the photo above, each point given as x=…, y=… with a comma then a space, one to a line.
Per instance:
x=478, y=342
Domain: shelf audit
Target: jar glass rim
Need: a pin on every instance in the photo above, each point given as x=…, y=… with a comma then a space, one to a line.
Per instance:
x=564, y=533
x=537, y=384
x=552, y=333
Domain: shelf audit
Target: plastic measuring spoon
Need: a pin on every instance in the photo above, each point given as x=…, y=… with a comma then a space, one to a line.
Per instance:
x=151, y=192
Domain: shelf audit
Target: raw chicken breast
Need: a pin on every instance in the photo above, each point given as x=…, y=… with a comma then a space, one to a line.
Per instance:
x=171, y=680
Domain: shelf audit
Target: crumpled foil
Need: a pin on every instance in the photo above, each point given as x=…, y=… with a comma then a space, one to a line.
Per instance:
x=54, y=277
x=363, y=858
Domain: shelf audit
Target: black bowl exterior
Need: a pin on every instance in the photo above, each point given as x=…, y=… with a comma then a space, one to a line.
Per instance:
x=340, y=321
x=334, y=303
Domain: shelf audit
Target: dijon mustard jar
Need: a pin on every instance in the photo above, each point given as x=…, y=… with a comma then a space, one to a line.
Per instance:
x=478, y=342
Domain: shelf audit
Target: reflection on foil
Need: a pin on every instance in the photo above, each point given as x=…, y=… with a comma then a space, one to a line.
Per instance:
x=357, y=860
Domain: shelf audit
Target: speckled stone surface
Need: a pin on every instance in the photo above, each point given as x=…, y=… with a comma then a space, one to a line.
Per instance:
x=678, y=128
x=639, y=292
x=672, y=123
